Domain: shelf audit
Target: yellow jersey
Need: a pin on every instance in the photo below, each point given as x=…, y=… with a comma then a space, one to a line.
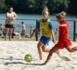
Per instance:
x=44, y=27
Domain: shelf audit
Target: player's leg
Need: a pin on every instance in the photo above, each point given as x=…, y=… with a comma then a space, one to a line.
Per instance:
x=6, y=30
x=46, y=49
x=39, y=47
x=71, y=49
x=10, y=33
x=53, y=50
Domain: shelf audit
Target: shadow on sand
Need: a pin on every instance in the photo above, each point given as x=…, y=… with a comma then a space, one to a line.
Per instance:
x=21, y=63
x=18, y=61
x=65, y=58
x=7, y=63
x=29, y=64
x=10, y=59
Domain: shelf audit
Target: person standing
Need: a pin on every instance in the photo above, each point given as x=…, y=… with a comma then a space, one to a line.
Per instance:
x=10, y=17
x=23, y=29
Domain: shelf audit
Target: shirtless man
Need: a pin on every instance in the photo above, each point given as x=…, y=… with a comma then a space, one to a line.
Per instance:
x=23, y=29
x=10, y=17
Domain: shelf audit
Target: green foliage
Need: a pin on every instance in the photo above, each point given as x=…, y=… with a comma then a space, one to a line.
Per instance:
x=2, y=6
x=35, y=6
x=73, y=7
x=58, y=5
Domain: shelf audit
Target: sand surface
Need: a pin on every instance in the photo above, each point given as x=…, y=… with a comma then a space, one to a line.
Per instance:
x=12, y=57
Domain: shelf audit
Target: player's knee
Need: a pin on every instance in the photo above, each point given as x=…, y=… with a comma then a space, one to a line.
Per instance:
x=43, y=49
x=50, y=53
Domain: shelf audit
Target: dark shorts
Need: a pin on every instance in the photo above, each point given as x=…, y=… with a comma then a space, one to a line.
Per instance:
x=45, y=40
x=9, y=26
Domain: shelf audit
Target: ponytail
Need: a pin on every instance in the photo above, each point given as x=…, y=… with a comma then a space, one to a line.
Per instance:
x=61, y=15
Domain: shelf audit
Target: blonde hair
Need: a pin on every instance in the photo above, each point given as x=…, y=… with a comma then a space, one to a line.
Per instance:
x=45, y=9
x=61, y=15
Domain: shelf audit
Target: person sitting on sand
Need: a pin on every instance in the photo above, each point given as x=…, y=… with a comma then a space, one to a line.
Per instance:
x=45, y=25
x=17, y=35
x=1, y=29
x=23, y=29
x=63, y=41
x=10, y=17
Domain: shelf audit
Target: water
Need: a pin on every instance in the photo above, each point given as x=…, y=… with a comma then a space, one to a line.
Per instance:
x=32, y=23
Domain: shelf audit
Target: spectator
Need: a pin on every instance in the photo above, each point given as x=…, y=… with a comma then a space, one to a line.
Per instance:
x=23, y=29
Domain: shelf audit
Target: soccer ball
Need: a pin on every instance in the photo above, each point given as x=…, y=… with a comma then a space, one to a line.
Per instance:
x=28, y=58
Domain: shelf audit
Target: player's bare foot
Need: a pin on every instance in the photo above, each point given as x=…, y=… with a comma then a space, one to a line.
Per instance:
x=43, y=64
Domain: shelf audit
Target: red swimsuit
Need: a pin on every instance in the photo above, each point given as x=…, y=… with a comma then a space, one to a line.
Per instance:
x=63, y=40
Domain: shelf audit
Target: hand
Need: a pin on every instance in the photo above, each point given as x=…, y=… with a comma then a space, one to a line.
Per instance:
x=54, y=41
x=13, y=18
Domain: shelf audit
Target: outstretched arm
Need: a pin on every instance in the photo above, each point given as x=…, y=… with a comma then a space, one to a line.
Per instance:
x=37, y=27
x=33, y=32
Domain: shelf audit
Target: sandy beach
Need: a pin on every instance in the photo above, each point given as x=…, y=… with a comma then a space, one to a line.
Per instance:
x=12, y=57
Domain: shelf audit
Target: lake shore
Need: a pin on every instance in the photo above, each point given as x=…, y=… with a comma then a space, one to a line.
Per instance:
x=13, y=52
x=19, y=39
x=30, y=20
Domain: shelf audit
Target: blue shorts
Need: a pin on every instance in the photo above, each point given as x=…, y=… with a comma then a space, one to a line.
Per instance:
x=45, y=40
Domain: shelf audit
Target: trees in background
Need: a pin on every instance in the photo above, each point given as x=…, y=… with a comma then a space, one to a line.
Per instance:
x=73, y=7
x=58, y=5
x=35, y=6
x=3, y=7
